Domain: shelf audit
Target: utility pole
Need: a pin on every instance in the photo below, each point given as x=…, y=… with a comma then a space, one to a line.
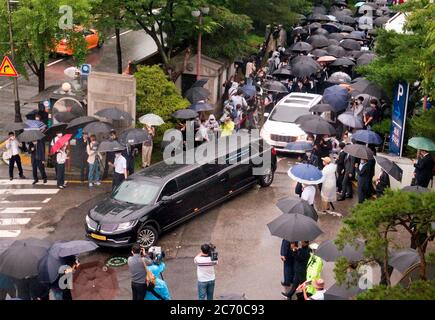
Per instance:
x=15, y=79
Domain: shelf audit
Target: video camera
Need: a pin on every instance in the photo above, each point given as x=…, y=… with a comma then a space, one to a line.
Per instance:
x=213, y=253
x=156, y=254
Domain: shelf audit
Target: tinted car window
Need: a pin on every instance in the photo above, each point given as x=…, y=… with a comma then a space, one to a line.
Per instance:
x=137, y=192
x=170, y=189
x=211, y=168
x=190, y=178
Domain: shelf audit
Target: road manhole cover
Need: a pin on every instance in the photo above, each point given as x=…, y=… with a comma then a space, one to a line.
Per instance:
x=116, y=262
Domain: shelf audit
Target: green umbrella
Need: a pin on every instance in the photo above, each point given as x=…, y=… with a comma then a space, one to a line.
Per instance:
x=422, y=143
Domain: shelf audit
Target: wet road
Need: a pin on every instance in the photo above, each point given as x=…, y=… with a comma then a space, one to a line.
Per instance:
x=249, y=255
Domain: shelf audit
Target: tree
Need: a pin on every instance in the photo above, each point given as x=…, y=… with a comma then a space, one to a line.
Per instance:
x=156, y=94
x=406, y=56
x=109, y=15
x=35, y=28
x=418, y=290
x=423, y=124
x=375, y=221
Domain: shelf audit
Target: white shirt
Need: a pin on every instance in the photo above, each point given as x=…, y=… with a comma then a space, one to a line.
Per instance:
x=319, y=295
x=205, y=268
x=120, y=164
x=308, y=194
x=12, y=146
x=239, y=100
x=61, y=157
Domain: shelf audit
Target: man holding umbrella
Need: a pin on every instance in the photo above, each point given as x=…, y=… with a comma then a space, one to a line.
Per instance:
x=423, y=169
x=37, y=153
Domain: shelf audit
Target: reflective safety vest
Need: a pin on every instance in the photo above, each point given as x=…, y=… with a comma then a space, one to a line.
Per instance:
x=314, y=271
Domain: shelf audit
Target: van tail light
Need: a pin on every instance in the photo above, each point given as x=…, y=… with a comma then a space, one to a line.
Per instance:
x=273, y=151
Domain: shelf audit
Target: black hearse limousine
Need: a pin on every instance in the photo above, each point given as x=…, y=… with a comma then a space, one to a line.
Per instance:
x=164, y=195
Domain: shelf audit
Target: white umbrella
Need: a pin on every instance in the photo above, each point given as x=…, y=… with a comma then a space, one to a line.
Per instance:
x=151, y=119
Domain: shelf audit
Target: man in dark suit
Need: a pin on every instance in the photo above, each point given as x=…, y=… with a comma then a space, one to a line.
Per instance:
x=37, y=152
x=287, y=259
x=340, y=166
x=301, y=256
x=82, y=144
x=349, y=175
x=423, y=169
x=363, y=171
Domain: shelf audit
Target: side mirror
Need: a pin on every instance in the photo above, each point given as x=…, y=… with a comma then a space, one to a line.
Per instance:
x=266, y=114
x=166, y=199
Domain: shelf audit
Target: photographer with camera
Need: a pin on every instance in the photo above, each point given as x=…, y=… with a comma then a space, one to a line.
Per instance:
x=138, y=271
x=205, y=262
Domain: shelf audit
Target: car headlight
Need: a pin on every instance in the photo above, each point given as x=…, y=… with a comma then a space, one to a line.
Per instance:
x=91, y=223
x=265, y=134
x=126, y=225
x=302, y=137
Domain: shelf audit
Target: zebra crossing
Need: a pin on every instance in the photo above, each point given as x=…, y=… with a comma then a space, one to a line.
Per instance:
x=19, y=202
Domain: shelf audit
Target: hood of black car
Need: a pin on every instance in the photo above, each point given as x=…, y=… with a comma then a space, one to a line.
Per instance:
x=112, y=211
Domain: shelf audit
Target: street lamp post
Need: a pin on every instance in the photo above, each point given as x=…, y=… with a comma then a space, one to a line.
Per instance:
x=199, y=14
x=15, y=79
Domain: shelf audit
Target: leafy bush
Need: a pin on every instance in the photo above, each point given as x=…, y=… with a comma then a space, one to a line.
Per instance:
x=156, y=94
x=418, y=290
x=422, y=125
x=383, y=127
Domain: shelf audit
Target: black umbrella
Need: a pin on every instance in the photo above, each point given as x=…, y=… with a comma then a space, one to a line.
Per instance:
x=390, y=167
x=301, y=47
x=354, y=54
x=306, y=117
x=416, y=189
x=359, y=151
x=321, y=31
x=114, y=114
x=110, y=146
x=350, y=44
x=201, y=107
x=134, y=136
x=318, y=126
x=31, y=135
x=319, y=53
x=321, y=107
x=380, y=21
x=299, y=31
x=81, y=122
x=331, y=27
x=345, y=19
x=275, y=86
x=304, y=66
x=294, y=227
x=185, y=114
x=21, y=259
x=356, y=35
x=343, y=62
x=404, y=259
x=319, y=10
x=333, y=42
x=365, y=58
x=196, y=94
x=336, y=51
x=98, y=127
x=336, y=36
x=350, y=120
x=318, y=17
x=64, y=117
x=55, y=128
x=345, y=28
x=342, y=292
x=15, y=126
x=318, y=41
x=362, y=85
x=339, y=77
x=282, y=73
x=294, y=205
x=314, y=26
x=329, y=252
x=200, y=83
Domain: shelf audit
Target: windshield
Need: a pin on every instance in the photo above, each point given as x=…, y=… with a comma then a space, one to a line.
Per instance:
x=287, y=114
x=137, y=192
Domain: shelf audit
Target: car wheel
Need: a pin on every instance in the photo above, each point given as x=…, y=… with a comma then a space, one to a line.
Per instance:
x=147, y=236
x=266, y=179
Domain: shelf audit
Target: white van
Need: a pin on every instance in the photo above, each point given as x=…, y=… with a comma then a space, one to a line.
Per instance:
x=279, y=128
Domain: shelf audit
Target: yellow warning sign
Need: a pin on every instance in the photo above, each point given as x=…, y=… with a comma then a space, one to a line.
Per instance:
x=7, y=69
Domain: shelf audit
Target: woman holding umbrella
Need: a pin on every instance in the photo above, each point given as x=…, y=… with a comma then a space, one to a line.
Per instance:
x=61, y=156
x=147, y=146
x=329, y=186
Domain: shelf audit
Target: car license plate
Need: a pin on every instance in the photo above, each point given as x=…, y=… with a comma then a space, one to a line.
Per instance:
x=98, y=237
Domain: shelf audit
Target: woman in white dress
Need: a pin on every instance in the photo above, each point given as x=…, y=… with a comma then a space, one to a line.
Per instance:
x=329, y=185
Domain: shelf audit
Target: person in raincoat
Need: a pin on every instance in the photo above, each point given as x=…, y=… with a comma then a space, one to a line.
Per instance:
x=329, y=185
x=314, y=271
x=157, y=289
x=227, y=128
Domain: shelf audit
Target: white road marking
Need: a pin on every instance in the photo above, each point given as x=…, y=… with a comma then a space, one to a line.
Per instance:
x=20, y=210
x=14, y=221
x=123, y=33
x=46, y=200
x=9, y=233
x=21, y=192
x=18, y=182
x=55, y=62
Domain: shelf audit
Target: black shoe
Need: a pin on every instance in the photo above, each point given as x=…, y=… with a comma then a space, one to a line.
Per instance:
x=45, y=180
x=35, y=181
x=349, y=196
x=341, y=198
x=284, y=284
x=22, y=177
x=285, y=295
x=10, y=179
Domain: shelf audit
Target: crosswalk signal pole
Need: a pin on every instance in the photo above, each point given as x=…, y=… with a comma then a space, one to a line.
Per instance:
x=15, y=79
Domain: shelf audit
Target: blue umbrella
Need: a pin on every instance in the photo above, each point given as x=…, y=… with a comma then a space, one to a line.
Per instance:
x=337, y=97
x=299, y=146
x=367, y=136
x=35, y=124
x=306, y=174
x=249, y=90
x=201, y=106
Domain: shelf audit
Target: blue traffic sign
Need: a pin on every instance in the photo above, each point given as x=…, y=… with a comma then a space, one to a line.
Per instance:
x=400, y=105
x=85, y=69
